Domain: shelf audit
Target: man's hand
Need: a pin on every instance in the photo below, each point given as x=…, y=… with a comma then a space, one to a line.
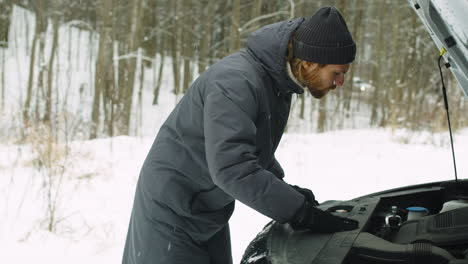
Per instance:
x=314, y=219
x=309, y=195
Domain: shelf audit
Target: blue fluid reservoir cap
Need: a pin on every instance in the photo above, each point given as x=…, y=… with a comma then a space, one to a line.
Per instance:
x=417, y=209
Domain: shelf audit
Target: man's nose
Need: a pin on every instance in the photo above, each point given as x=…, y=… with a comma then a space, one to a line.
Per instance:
x=339, y=80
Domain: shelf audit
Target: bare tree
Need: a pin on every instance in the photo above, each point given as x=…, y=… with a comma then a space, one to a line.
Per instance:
x=188, y=45
x=206, y=33
x=235, y=26
x=379, y=55
x=175, y=35
x=322, y=115
x=104, y=77
x=300, y=11
x=55, y=25
x=256, y=12
x=5, y=19
x=41, y=25
x=159, y=75
x=133, y=41
x=357, y=31
x=2, y=82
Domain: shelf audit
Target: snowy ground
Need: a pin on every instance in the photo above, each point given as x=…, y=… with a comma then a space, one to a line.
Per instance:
x=96, y=197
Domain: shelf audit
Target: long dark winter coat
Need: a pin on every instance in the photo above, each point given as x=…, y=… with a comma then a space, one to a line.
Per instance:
x=218, y=146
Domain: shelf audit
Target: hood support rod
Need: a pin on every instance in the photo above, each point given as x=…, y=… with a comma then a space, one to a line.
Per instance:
x=444, y=90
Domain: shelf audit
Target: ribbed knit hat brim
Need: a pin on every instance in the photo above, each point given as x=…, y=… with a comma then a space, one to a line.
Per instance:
x=324, y=38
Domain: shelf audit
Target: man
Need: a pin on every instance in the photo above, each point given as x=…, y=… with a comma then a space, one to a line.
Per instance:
x=218, y=145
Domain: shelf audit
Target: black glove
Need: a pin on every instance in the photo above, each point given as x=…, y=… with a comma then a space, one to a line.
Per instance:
x=316, y=220
x=309, y=195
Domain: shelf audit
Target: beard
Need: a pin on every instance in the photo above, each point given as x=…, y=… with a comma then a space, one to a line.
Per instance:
x=314, y=83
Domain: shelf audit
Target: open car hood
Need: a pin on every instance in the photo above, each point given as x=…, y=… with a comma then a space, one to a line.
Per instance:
x=447, y=23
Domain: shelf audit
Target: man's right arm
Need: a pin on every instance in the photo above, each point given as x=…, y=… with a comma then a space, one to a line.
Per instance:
x=230, y=143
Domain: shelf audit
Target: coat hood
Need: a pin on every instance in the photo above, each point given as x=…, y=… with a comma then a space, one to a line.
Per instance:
x=269, y=45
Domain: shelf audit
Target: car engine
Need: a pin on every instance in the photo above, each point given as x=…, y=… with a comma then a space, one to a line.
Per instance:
x=424, y=227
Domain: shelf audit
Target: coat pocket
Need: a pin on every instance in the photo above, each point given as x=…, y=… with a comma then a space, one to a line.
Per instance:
x=213, y=208
x=211, y=200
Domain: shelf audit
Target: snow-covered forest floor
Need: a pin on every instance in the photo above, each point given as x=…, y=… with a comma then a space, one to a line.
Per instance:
x=95, y=197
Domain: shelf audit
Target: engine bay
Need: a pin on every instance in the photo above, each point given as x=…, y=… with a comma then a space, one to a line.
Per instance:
x=426, y=226
x=425, y=223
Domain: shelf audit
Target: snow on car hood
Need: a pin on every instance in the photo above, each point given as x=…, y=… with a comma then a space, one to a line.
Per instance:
x=447, y=23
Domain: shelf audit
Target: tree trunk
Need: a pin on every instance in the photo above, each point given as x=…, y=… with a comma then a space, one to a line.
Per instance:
x=376, y=98
x=203, y=60
x=187, y=44
x=301, y=12
x=133, y=42
x=5, y=21
x=342, y=92
x=78, y=41
x=357, y=25
x=37, y=36
x=256, y=12
x=235, y=22
x=322, y=117
x=157, y=88
x=409, y=66
x=104, y=76
x=48, y=99
x=3, y=79
x=303, y=103
x=175, y=46
x=40, y=95
x=112, y=97
x=139, y=115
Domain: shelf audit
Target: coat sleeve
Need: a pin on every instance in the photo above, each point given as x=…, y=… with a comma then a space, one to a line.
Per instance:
x=276, y=168
x=230, y=142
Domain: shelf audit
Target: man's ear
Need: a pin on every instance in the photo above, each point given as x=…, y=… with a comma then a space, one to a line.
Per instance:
x=309, y=65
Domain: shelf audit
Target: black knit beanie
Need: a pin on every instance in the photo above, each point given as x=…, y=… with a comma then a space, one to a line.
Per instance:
x=324, y=38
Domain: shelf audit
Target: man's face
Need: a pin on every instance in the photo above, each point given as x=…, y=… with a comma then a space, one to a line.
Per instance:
x=320, y=80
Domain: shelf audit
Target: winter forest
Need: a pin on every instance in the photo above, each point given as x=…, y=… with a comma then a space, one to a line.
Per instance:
x=80, y=67
x=85, y=85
